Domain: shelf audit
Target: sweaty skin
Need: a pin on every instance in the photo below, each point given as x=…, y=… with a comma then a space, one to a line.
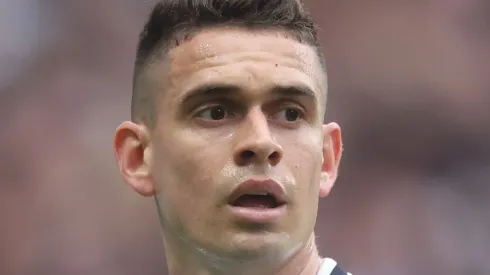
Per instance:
x=269, y=93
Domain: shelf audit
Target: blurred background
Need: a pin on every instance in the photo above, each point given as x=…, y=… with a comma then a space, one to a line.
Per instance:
x=409, y=83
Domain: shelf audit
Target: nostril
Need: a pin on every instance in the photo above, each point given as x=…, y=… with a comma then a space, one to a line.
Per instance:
x=247, y=154
x=274, y=157
x=247, y=157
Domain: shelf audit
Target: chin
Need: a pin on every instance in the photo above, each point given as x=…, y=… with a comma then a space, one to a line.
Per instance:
x=262, y=244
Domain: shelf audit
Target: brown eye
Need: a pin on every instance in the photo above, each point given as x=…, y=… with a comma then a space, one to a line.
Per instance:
x=213, y=113
x=290, y=114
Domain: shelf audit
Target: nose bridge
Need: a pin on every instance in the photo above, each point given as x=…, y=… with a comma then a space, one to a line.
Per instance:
x=256, y=125
x=256, y=142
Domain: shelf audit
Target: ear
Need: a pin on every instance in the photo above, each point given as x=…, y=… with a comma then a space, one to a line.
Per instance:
x=332, y=153
x=133, y=154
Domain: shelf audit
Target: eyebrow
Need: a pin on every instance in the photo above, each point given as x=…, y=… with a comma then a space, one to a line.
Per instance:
x=210, y=90
x=220, y=90
x=295, y=91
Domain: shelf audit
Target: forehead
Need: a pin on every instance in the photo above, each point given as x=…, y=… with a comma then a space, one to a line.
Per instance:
x=214, y=41
x=254, y=58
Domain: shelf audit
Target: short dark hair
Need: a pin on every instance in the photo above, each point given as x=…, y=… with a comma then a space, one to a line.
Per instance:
x=172, y=21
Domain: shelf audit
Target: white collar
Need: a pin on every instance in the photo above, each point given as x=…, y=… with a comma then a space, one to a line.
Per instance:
x=327, y=266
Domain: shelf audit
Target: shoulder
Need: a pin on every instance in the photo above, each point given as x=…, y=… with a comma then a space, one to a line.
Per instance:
x=330, y=267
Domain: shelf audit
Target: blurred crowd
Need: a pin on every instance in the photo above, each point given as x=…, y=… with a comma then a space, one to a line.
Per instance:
x=409, y=82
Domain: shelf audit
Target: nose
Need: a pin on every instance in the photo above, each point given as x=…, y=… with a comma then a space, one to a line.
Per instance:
x=255, y=142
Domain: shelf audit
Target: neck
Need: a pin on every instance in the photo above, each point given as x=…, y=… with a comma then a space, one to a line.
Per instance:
x=305, y=261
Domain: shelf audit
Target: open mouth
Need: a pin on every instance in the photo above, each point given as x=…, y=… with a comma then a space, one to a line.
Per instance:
x=258, y=201
x=264, y=200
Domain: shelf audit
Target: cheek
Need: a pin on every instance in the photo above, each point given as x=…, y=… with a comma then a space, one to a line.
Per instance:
x=304, y=159
x=186, y=171
x=306, y=154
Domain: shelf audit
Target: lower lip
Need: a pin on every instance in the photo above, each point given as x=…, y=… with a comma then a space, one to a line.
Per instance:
x=258, y=215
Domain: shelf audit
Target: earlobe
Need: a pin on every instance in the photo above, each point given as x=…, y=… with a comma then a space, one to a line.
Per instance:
x=326, y=184
x=133, y=156
x=332, y=153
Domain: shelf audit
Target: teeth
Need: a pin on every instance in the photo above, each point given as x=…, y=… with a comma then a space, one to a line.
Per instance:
x=260, y=193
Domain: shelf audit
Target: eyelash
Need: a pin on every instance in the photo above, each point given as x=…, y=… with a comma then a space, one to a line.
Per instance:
x=227, y=105
x=233, y=110
x=284, y=121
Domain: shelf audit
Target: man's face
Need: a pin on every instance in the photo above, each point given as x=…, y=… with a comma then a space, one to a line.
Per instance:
x=235, y=106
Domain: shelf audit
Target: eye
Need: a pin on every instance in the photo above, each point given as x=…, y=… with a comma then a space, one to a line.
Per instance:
x=217, y=112
x=290, y=114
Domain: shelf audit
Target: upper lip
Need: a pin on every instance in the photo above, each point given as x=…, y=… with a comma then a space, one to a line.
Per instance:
x=252, y=186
